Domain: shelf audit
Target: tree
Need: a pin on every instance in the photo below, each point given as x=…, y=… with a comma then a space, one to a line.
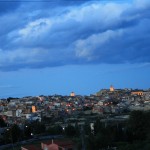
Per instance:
x=6, y=136
x=138, y=125
x=2, y=123
x=27, y=131
x=87, y=129
x=70, y=130
x=98, y=127
x=15, y=133
x=38, y=127
x=58, y=129
x=12, y=134
x=91, y=142
x=55, y=130
x=77, y=129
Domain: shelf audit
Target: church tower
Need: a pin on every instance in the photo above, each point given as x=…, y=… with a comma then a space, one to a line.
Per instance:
x=72, y=94
x=112, y=88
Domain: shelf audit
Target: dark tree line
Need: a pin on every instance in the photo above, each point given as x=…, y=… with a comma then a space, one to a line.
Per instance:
x=130, y=135
x=133, y=133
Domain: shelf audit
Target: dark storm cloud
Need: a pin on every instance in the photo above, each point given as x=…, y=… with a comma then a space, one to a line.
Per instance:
x=38, y=36
x=8, y=6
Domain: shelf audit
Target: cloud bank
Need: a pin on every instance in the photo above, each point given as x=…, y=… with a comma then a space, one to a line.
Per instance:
x=48, y=34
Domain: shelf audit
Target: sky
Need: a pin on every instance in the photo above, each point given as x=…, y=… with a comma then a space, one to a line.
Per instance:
x=52, y=47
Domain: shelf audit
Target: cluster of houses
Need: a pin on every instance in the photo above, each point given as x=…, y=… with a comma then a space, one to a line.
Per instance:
x=74, y=108
x=113, y=101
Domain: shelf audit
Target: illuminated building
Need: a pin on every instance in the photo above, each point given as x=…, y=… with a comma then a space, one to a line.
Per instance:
x=72, y=94
x=111, y=88
x=33, y=109
x=140, y=93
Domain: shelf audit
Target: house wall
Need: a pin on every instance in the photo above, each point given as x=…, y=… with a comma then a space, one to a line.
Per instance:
x=22, y=148
x=137, y=93
x=49, y=147
x=52, y=147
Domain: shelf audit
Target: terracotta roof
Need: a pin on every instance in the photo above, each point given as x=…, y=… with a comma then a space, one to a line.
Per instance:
x=31, y=147
x=64, y=144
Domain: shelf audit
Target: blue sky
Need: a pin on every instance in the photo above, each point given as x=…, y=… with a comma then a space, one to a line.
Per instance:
x=56, y=47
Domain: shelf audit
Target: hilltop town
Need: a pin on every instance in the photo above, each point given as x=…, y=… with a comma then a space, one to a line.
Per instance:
x=111, y=105
x=106, y=101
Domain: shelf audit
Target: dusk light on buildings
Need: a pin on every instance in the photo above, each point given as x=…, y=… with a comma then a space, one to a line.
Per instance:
x=74, y=74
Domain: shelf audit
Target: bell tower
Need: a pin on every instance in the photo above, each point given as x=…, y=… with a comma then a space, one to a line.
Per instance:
x=111, y=88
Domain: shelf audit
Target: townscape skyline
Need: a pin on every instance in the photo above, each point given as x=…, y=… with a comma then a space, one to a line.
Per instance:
x=73, y=94
x=55, y=47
